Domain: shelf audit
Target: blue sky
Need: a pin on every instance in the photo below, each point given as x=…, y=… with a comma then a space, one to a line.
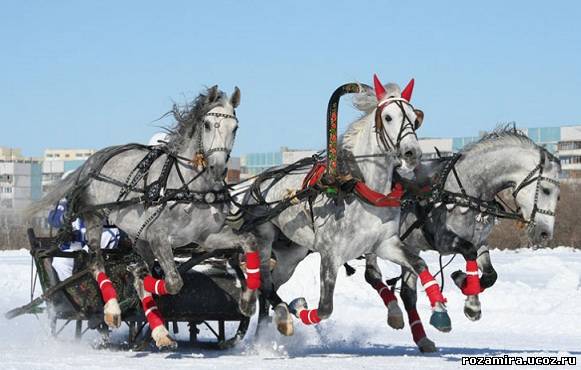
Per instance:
x=93, y=74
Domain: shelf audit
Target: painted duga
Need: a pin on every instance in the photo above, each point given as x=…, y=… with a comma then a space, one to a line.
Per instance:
x=341, y=231
x=191, y=166
x=502, y=160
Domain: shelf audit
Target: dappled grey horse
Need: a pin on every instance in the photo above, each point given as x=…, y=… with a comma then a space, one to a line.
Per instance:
x=162, y=196
x=502, y=160
x=462, y=221
x=343, y=230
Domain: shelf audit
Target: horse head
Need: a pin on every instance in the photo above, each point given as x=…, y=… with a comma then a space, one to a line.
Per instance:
x=210, y=127
x=395, y=119
x=537, y=195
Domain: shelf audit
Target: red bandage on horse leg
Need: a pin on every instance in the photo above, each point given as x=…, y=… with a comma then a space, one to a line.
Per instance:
x=106, y=287
x=152, y=314
x=309, y=317
x=252, y=270
x=384, y=292
x=153, y=285
x=416, y=325
x=431, y=287
x=472, y=282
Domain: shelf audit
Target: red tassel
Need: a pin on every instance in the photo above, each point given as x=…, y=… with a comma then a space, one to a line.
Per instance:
x=431, y=287
x=107, y=290
x=416, y=325
x=309, y=317
x=384, y=292
x=408, y=90
x=379, y=89
x=252, y=270
x=155, y=286
x=472, y=282
x=152, y=313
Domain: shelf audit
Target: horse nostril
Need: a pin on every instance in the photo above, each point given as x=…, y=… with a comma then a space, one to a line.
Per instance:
x=545, y=235
x=409, y=154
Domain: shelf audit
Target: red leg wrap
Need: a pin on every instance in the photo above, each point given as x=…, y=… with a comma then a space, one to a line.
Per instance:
x=153, y=285
x=384, y=292
x=432, y=288
x=252, y=270
x=416, y=325
x=152, y=314
x=472, y=282
x=309, y=317
x=106, y=287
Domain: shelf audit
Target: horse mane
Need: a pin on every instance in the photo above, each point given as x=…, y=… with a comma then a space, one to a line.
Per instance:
x=503, y=133
x=188, y=116
x=365, y=102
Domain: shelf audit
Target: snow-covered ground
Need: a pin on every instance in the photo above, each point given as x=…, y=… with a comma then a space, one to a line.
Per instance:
x=534, y=309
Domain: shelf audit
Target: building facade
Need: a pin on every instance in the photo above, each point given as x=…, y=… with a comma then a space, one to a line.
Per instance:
x=20, y=183
x=254, y=163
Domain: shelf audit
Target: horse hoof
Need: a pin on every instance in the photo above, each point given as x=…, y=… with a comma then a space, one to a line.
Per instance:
x=283, y=320
x=247, y=302
x=297, y=305
x=472, y=309
x=163, y=341
x=441, y=321
x=472, y=314
x=247, y=308
x=394, y=316
x=426, y=346
x=112, y=314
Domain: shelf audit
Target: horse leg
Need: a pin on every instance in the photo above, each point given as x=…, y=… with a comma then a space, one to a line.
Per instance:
x=374, y=278
x=489, y=275
x=394, y=250
x=468, y=282
x=329, y=270
x=409, y=297
x=159, y=332
x=172, y=282
x=247, y=302
x=288, y=258
x=111, y=309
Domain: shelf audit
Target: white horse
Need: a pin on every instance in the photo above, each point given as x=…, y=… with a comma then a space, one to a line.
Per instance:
x=340, y=230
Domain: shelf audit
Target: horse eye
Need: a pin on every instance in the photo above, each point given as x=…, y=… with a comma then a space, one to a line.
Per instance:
x=387, y=118
x=546, y=191
x=207, y=125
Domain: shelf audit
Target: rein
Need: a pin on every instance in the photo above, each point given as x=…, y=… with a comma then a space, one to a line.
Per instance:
x=486, y=208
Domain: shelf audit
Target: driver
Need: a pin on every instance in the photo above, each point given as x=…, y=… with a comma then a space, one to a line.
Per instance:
x=63, y=266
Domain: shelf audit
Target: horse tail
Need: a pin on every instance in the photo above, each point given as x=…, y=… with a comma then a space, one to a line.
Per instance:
x=59, y=191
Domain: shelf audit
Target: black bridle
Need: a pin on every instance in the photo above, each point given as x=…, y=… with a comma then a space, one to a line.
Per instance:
x=537, y=180
x=203, y=154
x=493, y=208
x=407, y=127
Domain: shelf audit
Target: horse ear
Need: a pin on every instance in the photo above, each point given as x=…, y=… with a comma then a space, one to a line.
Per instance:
x=419, y=118
x=213, y=94
x=407, y=92
x=235, y=98
x=379, y=89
